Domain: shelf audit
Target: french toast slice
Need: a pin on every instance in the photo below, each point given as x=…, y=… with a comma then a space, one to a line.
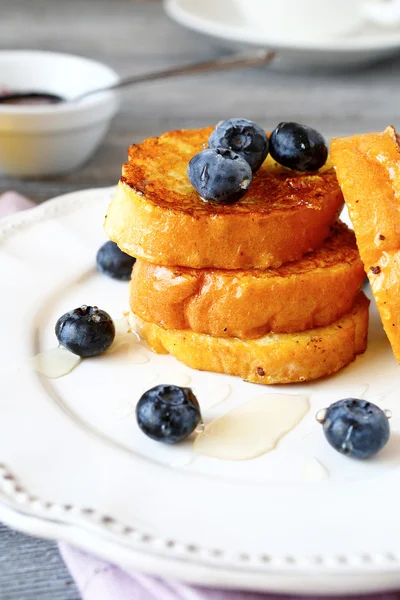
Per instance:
x=274, y=358
x=157, y=215
x=311, y=292
x=368, y=170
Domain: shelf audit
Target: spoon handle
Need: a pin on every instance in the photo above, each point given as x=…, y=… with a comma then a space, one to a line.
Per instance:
x=222, y=63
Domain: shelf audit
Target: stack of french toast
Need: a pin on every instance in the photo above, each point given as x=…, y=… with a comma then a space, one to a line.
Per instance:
x=242, y=269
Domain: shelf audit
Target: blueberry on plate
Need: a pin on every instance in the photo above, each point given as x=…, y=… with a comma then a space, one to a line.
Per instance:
x=355, y=427
x=298, y=147
x=114, y=262
x=85, y=331
x=168, y=413
x=219, y=175
x=244, y=137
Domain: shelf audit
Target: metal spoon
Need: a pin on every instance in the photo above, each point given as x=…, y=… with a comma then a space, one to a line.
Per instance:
x=223, y=63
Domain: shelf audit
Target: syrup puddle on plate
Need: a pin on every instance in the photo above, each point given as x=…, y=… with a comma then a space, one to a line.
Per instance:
x=253, y=428
x=129, y=345
x=219, y=394
x=54, y=363
x=313, y=471
x=58, y=362
x=135, y=324
x=123, y=327
x=127, y=340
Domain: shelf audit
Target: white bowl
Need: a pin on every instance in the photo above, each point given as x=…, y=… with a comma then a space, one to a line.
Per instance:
x=52, y=139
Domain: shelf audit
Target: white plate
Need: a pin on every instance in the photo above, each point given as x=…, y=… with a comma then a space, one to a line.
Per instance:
x=220, y=21
x=75, y=469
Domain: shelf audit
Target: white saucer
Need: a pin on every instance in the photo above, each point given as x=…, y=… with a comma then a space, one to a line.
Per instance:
x=219, y=20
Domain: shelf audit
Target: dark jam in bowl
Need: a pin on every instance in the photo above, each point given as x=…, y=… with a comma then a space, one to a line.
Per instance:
x=29, y=98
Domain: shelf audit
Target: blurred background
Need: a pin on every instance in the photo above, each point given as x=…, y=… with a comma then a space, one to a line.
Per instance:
x=135, y=36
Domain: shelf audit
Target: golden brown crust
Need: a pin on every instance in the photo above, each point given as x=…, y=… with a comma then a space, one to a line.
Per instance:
x=311, y=292
x=368, y=171
x=157, y=214
x=275, y=358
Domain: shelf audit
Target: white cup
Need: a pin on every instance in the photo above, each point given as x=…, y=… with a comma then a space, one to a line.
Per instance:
x=316, y=19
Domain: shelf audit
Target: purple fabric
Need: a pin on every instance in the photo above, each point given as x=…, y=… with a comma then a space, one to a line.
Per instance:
x=11, y=202
x=99, y=580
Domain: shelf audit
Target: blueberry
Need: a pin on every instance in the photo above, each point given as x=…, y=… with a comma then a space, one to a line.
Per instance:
x=168, y=413
x=219, y=175
x=243, y=137
x=113, y=262
x=356, y=428
x=85, y=331
x=298, y=147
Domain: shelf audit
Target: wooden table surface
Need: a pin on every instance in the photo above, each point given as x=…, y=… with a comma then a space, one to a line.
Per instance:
x=135, y=37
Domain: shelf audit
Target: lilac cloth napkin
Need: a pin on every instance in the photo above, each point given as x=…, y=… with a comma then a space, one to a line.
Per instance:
x=99, y=580
x=12, y=202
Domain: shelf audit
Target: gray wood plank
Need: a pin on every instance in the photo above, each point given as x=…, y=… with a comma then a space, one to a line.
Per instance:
x=135, y=37
x=32, y=569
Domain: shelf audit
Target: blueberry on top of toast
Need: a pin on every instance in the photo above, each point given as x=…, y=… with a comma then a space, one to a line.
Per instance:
x=243, y=137
x=157, y=215
x=219, y=175
x=298, y=147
